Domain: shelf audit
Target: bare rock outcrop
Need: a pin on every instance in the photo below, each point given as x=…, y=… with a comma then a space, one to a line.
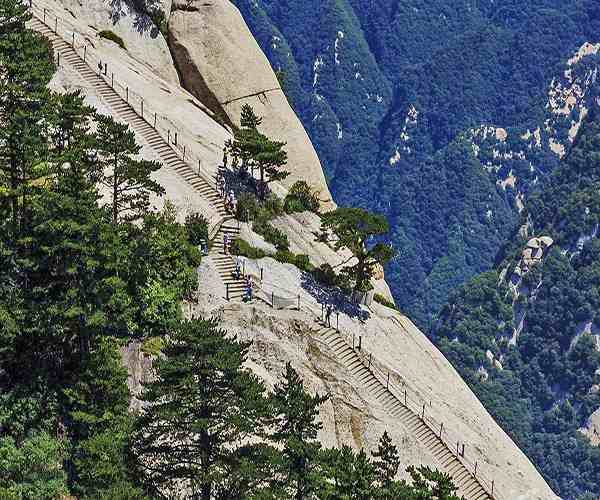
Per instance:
x=220, y=63
x=143, y=40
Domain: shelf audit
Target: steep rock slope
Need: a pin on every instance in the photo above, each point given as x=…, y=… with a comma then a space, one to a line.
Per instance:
x=394, y=94
x=221, y=63
x=526, y=335
x=355, y=415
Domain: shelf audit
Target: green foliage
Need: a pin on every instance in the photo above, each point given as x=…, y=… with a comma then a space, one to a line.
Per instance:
x=295, y=431
x=353, y=227
x=383, y=301
x=301, y=198
x=128, y=181
x=255, y=148
x=113, y=37
x=202, y=392
x=543, y=394
x=248, y=118
x=197, y=228
x=271, y=234
x=243, y=248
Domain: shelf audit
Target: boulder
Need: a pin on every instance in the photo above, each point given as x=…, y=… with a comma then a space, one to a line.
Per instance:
x=222, y=65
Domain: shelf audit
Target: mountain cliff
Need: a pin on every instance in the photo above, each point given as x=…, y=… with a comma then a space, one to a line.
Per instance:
x=422, y=390
x=398, y=97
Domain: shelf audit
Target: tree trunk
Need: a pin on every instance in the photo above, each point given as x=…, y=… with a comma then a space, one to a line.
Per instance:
x=115, y=192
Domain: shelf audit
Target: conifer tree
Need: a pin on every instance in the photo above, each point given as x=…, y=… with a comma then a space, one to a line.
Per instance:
x=127, y=179
x=295, y=432
x=99, y=423
x=387, y=460
x=353, y=228
x=348, y=475
x=202, y=411
x=249, y=119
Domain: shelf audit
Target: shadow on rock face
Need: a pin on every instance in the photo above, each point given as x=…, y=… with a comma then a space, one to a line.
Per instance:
x=333, y=296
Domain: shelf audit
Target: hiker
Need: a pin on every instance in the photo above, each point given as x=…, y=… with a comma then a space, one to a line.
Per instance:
x=328, y=312
x=248, y=295
x=226, y=244
x=99, y=68
x=231, y=201
x=234, y=205
x=238, y=267
x=225, y=157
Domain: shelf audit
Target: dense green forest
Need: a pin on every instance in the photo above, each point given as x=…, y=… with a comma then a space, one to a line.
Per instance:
x=355, y=72
x=547, y=382
x=84, y=276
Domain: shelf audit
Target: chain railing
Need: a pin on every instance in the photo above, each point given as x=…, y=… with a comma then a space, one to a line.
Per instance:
x=142, y=107
x=424, y=410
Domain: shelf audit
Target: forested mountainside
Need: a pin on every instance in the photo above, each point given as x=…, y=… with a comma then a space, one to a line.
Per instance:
x=440, y=114
x=525, y=335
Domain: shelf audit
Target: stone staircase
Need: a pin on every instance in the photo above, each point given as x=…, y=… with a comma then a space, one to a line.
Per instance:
x=468, y=484
x=167, y=155
x=225, y=263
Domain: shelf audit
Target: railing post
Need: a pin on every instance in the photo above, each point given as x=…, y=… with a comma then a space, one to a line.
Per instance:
x=298, y=302
x=127, y=94
x=492, y=487
x=169, y=137
x=423, y=414
x=475, y=473
x=155, y=123
x=405, y=398
x=359, y=342
x=142, y=108
x=112, y=80
x=370, y=354
x=457, y=448
x=352, y=340
x=463, y=451
x=73, y=40
x=441, y=429
x=58, y=59
x=227, y=291
x=387, y=384
x=184, y=151
x=56, y=26
x=175, y=138
x=200, y=169
x=45, y=15
x=84, y=52
x=338, y=321
x=261, y=274
x=273, y=300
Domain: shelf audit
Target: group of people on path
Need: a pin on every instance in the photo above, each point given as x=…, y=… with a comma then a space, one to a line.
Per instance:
x=228, y=196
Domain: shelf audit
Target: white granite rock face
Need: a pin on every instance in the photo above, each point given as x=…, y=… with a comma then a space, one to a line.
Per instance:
x=220, y=63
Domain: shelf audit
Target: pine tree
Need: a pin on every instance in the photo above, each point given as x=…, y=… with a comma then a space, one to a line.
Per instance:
x=249, y=119
x=127, y=179
x=387, y=460
x=27, y=66
x=296, y=431
x=348, y=475
x=13, y=16
x=353, y=228
x=202, y=411
x=100, y=423
x=430, y=484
